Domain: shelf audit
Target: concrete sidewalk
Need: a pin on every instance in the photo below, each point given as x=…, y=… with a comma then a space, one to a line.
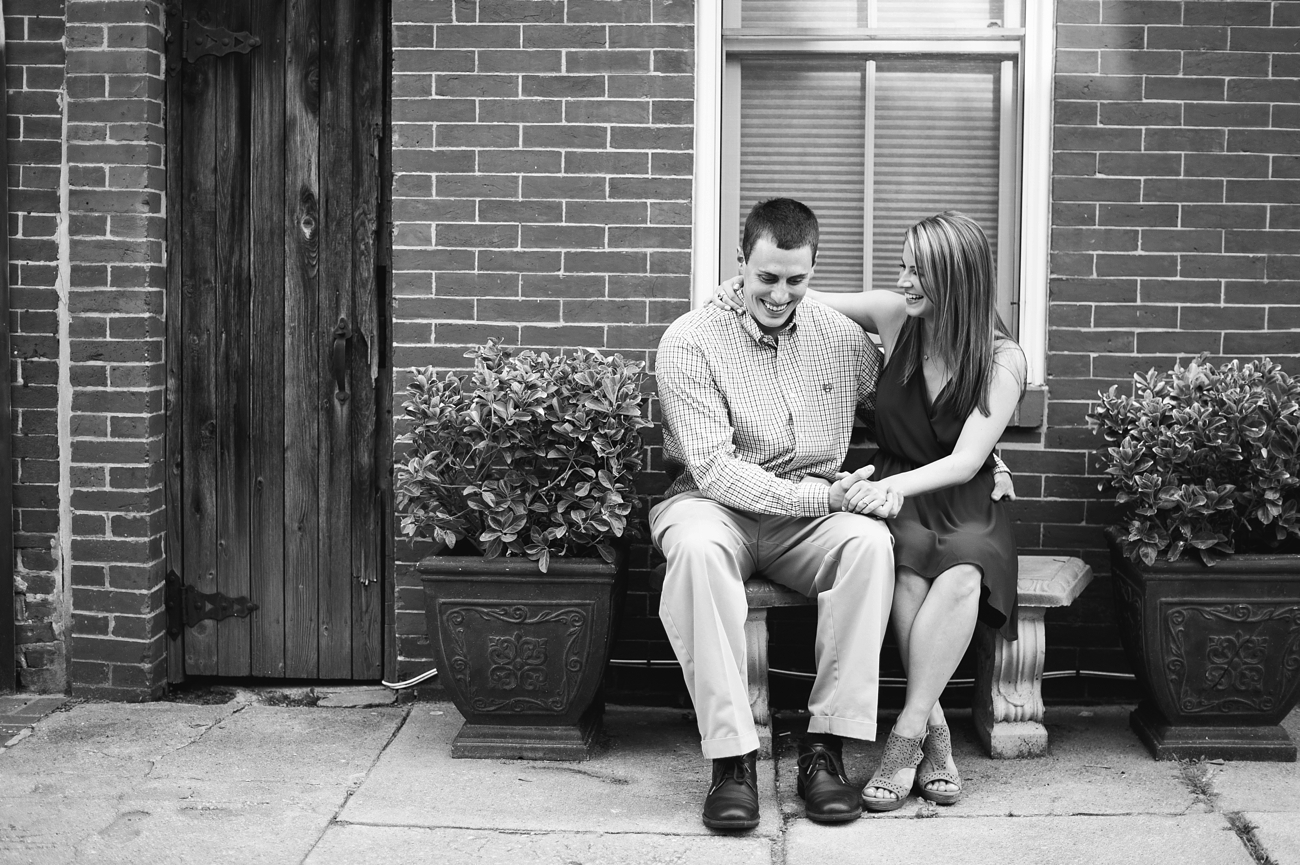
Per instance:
x=244, y=781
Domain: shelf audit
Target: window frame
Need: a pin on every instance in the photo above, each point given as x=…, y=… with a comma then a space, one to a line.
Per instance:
x=1026, y=228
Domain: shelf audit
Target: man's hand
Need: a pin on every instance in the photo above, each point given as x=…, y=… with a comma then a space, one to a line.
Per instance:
x=843, y=482
x=1003, y=488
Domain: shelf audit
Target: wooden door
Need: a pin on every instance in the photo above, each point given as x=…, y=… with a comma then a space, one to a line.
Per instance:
x=275, y=334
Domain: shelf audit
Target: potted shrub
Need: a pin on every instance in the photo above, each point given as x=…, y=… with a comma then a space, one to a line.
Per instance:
x=1204, y=461
x=522, y=472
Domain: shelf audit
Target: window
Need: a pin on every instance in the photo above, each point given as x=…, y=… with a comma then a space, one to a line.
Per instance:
x=877, y=113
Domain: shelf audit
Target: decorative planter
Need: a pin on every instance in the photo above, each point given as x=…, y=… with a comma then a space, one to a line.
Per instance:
x=522, y=652
x=1216, y=651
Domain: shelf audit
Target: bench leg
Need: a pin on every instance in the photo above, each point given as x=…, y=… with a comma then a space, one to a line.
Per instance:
x=756, y=670
x=1008, y=708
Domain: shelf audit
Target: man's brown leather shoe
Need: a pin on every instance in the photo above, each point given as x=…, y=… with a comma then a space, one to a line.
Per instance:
x=828, y=796
x=732, y=802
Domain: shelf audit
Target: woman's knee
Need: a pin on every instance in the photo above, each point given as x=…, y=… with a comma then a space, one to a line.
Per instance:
x=962, y=582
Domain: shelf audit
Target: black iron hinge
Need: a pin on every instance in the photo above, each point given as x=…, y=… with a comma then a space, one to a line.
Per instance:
x=200, y=40
x=186, y=606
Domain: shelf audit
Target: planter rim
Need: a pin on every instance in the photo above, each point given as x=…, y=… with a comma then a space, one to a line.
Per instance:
x=514, y=568
x=1273, y=564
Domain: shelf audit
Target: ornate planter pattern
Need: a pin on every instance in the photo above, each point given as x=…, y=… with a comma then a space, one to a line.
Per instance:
x=523, y=653
x=1216, y=651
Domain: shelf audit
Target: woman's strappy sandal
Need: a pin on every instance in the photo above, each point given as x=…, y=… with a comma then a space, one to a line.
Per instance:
x=901, y=753
x=934, y=766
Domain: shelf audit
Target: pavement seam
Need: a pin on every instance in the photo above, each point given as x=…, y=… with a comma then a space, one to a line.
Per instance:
x=352, y=788
x=497, y=830
x=1198, y=775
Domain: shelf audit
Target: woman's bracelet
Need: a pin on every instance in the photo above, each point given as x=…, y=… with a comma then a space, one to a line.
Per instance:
x=999, y=467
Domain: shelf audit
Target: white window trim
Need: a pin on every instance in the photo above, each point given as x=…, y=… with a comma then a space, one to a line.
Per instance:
x=1035, y=212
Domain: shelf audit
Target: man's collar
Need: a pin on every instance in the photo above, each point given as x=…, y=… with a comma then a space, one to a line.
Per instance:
x=751, y=326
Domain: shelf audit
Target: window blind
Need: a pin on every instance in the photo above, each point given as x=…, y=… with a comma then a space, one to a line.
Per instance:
x=802, y=128
x=768, y=14
x=936, y=148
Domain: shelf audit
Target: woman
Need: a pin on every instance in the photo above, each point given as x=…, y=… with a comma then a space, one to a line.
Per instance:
x=951, y=381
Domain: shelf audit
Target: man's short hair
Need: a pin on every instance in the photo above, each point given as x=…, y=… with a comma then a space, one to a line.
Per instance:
x=790, y=224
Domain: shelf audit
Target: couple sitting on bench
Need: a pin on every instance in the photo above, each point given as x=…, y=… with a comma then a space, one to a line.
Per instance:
x=759, y=391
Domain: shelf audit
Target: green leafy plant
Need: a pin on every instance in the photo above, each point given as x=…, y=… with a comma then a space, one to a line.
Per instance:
x=526, y=455
x=1204, y=457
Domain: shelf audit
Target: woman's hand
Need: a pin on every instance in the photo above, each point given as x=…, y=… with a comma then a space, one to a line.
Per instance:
x=728, y=295
x=1003, y=488
x=874, y=498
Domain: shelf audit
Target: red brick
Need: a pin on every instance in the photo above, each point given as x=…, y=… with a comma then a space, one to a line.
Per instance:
x=1077, y=61
x=1279, y=191
x=1182, y=190
x=564, y=86
x=1185, y=140
x=564, y=285
x=1180, y=291
x=568, y=187
x=1258, y=344
x=1098, y=87
x=566, y=136
x=559, y=37
x=605, y=262
x=1222, y=266
x=1140, y=164
x=562, y=237
x=478, y=36
x=1182, y=88
x=1225, y=165
x=1092, y=36
x=1137, y=265
x=607, y=12
x=520, y=111
x=520, y=261
x=1232, y=64
x=1182, y=240
x=519, y=310
x=1144, y=215
x=1224, y=216
x=1280, y=39
x=1225, y=114
x=521, y=61
x=1093, y=139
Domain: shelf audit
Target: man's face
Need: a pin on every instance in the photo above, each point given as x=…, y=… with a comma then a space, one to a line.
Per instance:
x=775, y=281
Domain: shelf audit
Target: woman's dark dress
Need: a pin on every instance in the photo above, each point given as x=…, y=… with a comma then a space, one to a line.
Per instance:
x=959, y=525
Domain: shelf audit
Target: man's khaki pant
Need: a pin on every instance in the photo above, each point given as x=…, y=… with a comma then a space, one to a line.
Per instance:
x=845, y=561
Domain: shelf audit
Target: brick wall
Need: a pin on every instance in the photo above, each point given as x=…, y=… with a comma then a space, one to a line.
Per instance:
x=116, y=362
x=1175, y=230
x=541, y=193
x=34, y=78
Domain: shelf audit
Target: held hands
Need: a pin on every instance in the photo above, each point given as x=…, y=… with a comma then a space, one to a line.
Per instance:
x=856, y=494
x=727, y=295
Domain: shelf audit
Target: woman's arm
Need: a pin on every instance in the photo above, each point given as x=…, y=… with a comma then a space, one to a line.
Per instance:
x=878, y=312
x=875, y=311
x=979, y=435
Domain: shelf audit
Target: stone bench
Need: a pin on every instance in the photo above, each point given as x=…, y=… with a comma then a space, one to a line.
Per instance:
x=1008, y=702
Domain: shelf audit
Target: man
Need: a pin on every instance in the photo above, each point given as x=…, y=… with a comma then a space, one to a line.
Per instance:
x=758, y=407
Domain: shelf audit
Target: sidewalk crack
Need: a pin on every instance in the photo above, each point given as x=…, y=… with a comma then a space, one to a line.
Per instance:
x=356, y=785
x=154, y=761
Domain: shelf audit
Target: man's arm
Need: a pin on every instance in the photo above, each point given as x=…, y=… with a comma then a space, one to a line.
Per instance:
x=695, y=410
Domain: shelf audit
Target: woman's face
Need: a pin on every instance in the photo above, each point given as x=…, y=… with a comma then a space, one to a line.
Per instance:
x=918, y=304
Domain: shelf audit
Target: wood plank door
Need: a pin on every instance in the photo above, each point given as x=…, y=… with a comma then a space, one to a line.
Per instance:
x=275, y=333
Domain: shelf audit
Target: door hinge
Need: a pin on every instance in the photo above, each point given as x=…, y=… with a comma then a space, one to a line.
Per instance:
x=200, y=40
x=186, y=606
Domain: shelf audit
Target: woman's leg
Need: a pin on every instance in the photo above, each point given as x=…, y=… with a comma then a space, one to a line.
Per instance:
x=910, y=589
x=933, y=636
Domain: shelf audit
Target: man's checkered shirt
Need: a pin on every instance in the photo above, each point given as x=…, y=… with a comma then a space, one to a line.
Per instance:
x=761, y=423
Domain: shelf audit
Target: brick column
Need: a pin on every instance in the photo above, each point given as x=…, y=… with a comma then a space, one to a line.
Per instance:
x=34, y=51
x=116, y=362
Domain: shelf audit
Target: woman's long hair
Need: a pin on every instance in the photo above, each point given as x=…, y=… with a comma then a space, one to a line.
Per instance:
x=955, y=266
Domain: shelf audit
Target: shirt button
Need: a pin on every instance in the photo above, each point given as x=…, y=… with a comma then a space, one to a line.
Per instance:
x=827, y=387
